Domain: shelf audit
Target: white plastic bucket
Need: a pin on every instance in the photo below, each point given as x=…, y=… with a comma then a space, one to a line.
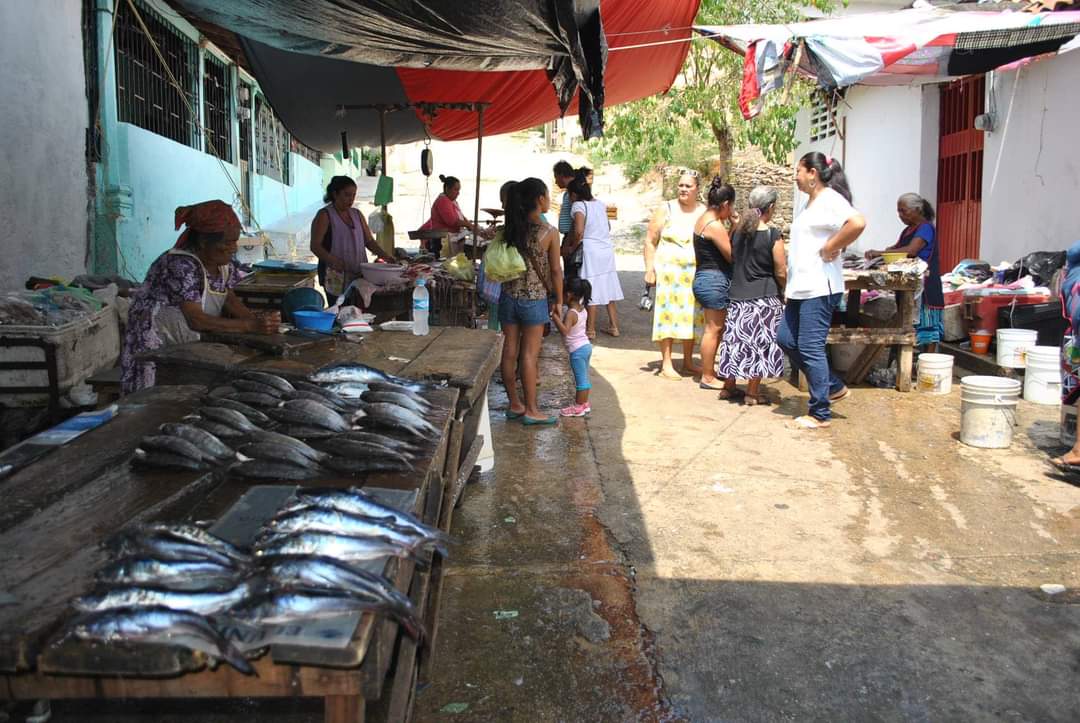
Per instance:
x=935, y=373
x=1068, y=425
x=1012, y=344
x=988, y=411
x=1042, y=376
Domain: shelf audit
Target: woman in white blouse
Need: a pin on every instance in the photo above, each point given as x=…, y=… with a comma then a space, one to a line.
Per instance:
x=815, y=282
x=592, y=228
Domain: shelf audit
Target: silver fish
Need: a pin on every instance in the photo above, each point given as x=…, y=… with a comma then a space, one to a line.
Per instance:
x=174, y=445
x=383, y=440
x=340, y=547
x=394, y=398
x=369, y=465
x=399, y=389
x=194, y=534
x=255, y=399
x=270, y=380
x=269, y=470
x=222, y=391
x=335, y=402
x=363, y=374
x=166, y=547
x=248, y=411
x=326, y=572
x=347, y=390
x=141, y=596
x=305, y=386
x=173, y=574
x=307, y=413
x=202, y=439
x=284, y=439
x=285, y=606
x=277, y=453
x=157, y=625
x=359, y=449
x=230, y=417
x=246, y=385
x=217, y=429
x=322, y=519
x=154, y=458
x=302, y=432
x=357, y=502
x=390, y=415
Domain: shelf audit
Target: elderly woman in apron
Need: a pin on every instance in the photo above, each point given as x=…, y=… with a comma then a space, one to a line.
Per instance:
x=340, y=237
x=188, y=289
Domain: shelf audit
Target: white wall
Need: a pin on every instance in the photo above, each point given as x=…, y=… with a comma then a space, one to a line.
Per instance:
x=43, y=120
x=889, y=148
x=1031, y=162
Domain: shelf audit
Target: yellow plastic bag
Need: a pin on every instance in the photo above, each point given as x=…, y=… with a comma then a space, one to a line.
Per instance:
x=460, y=267
x=502, y=262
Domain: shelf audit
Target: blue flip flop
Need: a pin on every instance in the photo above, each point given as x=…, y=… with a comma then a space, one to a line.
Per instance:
x=530, y=422
x=514, y=415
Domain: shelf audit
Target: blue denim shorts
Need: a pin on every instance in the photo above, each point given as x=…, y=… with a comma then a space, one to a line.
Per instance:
x=711, y=289
x=522, y=312
x=579, y=363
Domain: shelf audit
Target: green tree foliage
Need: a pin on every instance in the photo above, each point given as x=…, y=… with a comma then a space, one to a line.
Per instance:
x=699, y=116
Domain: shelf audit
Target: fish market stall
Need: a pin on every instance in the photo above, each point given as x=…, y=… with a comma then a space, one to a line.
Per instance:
x=198, y=545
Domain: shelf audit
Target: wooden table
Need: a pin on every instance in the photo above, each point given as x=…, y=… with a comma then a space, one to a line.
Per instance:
x=58, y=509
x=877, y=336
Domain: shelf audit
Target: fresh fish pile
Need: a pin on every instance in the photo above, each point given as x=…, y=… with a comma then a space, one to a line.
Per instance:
x=162, y=585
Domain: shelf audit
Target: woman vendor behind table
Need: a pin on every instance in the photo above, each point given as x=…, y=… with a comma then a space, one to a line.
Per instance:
x=446, y=215
x=188, y=289
x=340, y=237
x=919, y=239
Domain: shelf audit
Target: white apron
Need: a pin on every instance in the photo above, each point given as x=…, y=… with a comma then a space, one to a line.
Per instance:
x=170, y=323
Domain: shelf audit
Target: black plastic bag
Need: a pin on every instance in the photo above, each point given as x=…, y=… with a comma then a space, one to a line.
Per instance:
x=1040, y=265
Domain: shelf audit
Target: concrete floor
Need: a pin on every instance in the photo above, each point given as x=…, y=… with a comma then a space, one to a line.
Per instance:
x=678, y=557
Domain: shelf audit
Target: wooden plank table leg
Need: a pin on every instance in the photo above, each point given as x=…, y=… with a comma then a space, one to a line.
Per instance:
x=854, y=306
x=343, y=709
x=906, y=311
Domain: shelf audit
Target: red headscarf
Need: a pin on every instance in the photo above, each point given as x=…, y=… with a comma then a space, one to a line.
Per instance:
x=205, y=217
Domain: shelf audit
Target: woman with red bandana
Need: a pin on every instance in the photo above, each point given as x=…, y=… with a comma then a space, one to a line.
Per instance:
x=188, y=289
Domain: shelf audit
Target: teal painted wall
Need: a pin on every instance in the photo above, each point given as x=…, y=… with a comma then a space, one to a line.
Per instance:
x=163, y=174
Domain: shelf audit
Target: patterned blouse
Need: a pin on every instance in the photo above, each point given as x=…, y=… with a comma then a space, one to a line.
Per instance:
x=529, y=286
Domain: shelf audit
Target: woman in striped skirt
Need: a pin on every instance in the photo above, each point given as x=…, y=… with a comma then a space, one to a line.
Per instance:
x=749, y=350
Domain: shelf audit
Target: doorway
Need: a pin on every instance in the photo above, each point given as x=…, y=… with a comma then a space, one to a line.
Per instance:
x=960, y=170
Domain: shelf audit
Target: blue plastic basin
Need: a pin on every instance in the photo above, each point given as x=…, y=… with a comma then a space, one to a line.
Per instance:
x=314, y=320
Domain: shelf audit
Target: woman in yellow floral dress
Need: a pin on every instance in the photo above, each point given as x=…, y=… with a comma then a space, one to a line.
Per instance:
x=670, y=264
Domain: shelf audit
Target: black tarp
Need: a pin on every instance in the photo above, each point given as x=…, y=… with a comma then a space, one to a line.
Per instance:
x=306, y=52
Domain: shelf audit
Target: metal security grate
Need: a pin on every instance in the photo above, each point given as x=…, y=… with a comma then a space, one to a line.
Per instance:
x=306, y=152
x=217, y=108
x=272, y=144
x=144, y=95
x=821, y=120
x=246, y=95
x=1015, y=37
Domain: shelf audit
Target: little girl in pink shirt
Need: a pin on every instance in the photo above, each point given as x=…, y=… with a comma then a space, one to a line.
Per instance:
x=572, y=326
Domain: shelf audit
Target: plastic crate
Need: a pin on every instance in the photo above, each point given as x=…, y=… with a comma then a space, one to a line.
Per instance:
x=82, y=347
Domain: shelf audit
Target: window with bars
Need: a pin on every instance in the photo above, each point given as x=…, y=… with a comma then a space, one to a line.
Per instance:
x=217, y=108
x=821, y=120
x=306, y=152
x=144, y=95
x=272, y=143
x=247, y=94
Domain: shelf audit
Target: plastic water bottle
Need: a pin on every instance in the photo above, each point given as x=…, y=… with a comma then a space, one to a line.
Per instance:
x=421, y=307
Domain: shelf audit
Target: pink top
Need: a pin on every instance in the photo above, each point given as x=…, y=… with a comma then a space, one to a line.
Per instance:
x=576, y=337
x=446, y=215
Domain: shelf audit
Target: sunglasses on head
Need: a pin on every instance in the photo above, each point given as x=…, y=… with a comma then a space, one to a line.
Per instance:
x=688, y=172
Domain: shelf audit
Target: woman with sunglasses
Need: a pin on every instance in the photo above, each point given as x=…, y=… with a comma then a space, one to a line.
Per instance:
x=670, y=263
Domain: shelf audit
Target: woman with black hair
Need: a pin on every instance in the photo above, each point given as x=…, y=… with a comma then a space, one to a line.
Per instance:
x=446, y=215
x=592, y=230
x=815, y=280
x=919, y=240
x=523, y=306
x=340, y=237
x=712, y=277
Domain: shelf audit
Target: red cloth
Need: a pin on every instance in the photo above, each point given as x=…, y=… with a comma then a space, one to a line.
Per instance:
x=750, y=92
x=445, y=216
x=205, y=217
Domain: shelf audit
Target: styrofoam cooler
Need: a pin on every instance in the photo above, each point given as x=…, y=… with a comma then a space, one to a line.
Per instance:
x=83, y=347
x=1042, y=375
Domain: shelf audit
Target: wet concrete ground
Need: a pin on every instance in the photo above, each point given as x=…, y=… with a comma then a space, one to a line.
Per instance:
x=678, y=557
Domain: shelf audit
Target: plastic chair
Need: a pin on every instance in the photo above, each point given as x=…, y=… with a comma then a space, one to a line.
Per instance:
x=297, y=299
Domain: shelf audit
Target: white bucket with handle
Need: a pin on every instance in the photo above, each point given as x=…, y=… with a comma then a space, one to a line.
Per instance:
x=988, y=411
x=935, y=373
x=1042, y=375
x=1012, y=346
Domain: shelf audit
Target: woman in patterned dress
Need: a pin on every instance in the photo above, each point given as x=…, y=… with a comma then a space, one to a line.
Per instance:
x=670, y=264
x=188, y=289
x=758, y=276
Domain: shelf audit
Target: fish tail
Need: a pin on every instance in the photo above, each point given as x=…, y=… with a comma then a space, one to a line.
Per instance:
x=232, y=655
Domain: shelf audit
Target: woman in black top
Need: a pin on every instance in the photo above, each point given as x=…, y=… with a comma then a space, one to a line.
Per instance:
x=759, y=271
x=712, y=250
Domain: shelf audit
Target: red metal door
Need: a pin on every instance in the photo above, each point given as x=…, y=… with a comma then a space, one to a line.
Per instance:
x=960, y=168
